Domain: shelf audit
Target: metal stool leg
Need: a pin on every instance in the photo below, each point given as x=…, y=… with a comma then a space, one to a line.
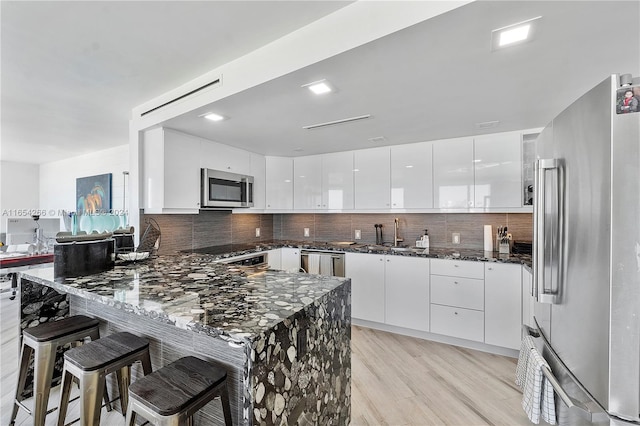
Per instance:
x=124, y=380
x=22, y=378
x=43, y=362
x=67, y=380
x=130, y=419
x=92, y=385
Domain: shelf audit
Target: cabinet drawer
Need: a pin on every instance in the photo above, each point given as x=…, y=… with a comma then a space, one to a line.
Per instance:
x=457, y=322
x=455, y=291
x=458, y=268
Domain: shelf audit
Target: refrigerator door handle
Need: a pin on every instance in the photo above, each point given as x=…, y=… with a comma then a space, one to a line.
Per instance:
x=541, y=291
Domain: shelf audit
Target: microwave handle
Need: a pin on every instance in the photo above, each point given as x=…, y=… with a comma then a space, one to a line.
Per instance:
x=248, y=188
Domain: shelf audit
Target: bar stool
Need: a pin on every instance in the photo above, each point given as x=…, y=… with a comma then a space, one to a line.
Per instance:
x=174, y=393
x=43, y=341
x=91, y=363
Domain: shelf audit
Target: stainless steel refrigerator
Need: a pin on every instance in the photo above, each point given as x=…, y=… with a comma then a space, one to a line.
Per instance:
x=587, y=255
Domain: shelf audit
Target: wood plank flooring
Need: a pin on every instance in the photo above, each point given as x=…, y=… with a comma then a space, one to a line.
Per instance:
x=400, y=380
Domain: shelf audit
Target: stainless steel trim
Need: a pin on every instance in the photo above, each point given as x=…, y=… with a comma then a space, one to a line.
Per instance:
x=337, y=261
x=541, y=292
x=573, y=404
x=206, y=174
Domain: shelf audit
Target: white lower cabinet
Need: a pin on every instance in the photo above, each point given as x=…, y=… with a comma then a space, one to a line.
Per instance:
x=290, y=259
x=274, y=259
x=457, y=299
x=407, y=292
x=477, y=301
x=457, y=322
x=503, y=309
x=367, y=285
x=456, y=291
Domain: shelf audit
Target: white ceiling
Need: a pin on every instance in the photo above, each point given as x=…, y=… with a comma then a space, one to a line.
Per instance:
x=71, y=72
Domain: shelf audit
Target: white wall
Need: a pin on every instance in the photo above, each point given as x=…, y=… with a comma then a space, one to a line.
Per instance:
x=58, y=178
x=19, y=189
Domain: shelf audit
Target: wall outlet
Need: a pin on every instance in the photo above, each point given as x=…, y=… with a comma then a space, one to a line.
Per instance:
x=358, y=234
x=257, y=232
x=455, y=238
x=306, y=232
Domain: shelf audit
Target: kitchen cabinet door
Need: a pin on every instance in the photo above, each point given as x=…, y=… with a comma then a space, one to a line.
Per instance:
x=290, y=259
x=412, y=176
x=223, y=157
x=457, y=322
x=337, y=181
x=372, y=178
x=279, y=178
x=170, y=172
x=367, y=285
x=453, y=173
x=258, y=171
x=407, y=292
x=503, y=299
x=274, y=259
x=307, y=182
x=498, y=170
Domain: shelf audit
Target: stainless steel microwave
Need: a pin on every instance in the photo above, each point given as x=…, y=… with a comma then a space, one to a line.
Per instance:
x=223, y=189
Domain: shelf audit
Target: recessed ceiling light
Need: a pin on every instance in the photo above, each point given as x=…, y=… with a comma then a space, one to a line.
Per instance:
x=213, y=116
x=319, y=87
x=513, y=34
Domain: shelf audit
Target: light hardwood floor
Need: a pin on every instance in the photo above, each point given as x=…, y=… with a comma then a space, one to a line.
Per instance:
x=400, y=380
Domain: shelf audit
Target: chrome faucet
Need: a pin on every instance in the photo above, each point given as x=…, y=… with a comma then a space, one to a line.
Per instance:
x=396, y=239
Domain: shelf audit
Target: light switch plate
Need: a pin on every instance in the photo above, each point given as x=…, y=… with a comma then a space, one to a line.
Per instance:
x=257, y=232
x=306, y=232
x=358, y=234
x=455, y=238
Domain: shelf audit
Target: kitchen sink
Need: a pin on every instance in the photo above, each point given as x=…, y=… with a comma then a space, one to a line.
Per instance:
x=411, y=249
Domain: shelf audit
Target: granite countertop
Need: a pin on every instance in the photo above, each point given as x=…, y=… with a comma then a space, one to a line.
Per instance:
x=193, y=292
x=226, y=251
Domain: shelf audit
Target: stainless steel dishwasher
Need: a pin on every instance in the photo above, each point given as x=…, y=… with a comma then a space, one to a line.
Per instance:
x=322, y=262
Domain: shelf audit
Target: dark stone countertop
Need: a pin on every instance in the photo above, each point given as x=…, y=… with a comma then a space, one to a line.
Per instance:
x=226, y=251
x=194, y=292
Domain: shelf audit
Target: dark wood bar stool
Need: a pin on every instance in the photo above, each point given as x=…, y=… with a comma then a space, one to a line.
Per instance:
x=42, y=342
x=174, y=393
x=91, y=363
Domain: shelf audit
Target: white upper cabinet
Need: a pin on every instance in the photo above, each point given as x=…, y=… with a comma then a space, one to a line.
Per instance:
x=412, y=176
x=453, y=173
x=170, y=172
x=307, y=182
x=337, y=181
x=498, y=170
x=323, y=182
x=258, y=171
x=372, y=171
x=279, y=178
x=217, y=156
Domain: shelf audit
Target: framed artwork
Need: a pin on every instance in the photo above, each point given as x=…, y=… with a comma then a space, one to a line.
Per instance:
x=93, y=194
x=628, y=100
